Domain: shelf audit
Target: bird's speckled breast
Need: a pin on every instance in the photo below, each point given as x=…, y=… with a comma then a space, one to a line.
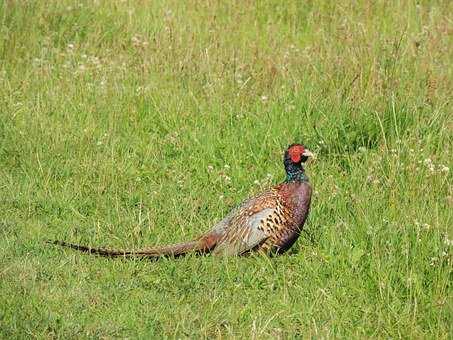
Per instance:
x=296, y=197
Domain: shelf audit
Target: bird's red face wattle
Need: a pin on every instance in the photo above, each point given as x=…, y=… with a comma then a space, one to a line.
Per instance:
x=296, y=152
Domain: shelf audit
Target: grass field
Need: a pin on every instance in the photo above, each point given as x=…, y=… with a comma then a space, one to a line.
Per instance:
x=132, y=123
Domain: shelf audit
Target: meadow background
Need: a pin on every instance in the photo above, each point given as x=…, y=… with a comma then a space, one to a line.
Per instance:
x=133, y=123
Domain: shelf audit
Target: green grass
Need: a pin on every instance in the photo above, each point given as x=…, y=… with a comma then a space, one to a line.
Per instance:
x=134, y=123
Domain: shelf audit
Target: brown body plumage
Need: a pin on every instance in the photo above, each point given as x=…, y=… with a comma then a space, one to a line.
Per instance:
x=269, y=222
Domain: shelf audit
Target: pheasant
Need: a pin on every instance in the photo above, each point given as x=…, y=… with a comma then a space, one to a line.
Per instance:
x=269, y=222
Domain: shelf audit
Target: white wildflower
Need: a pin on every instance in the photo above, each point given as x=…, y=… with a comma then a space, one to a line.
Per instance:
x=444, y=168
x=429, y=164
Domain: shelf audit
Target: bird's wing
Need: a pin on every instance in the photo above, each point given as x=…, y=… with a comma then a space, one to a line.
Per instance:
x=245, y=227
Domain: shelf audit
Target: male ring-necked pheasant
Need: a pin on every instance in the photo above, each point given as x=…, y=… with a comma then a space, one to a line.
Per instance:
x=269, y=222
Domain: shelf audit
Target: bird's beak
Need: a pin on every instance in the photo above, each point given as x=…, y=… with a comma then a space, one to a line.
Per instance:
x=308, y=153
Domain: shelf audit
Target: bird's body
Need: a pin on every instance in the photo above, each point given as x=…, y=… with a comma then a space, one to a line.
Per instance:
x=269, y=222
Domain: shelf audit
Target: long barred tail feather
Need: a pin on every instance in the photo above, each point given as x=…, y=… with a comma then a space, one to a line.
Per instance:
x=201, y=245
